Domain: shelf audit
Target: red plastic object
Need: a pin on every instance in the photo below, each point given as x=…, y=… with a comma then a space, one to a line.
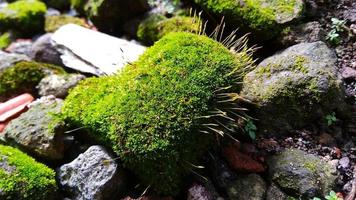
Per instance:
x=12, y=108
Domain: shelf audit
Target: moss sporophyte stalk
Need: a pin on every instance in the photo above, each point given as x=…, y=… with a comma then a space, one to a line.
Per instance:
x=160, y=114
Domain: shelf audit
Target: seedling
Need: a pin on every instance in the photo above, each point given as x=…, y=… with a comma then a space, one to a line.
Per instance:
x=250, y=129
x=332, y=196
x=331, y=119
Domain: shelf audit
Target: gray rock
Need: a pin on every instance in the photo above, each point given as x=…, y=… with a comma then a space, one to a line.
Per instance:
x=34, y=130
x=295, y=87
x=20, y=47
x=58, y=85
x=221, y=174
x=301, y=174
x=93, y=175
x=94, y=52
x=43, y=50
x=251, y=187
x=199, y=192
x=308, y=32
x=274, y=193
x=8, y=59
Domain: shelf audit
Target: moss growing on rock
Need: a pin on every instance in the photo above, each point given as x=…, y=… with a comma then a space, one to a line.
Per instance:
x=24, y=77
x=157, y=26
x=54, y=22
x=153, y=112
x=5, y=40
x=21, y=177
x=26, y=16
x=263, y=17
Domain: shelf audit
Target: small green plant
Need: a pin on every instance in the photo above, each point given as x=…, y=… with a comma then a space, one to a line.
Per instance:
x=250, y=129
x=332, y=196
x=330, y=119
x=337, y=27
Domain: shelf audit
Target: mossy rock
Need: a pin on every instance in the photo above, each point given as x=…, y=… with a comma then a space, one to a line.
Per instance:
x=24, y=77
x=294, y=88
x=156, y=26
x=152, y=113
x=54, y=22
x=78, y=5
x=21, y=177
x=5, y=40
x=264, y=18
x=25, y=16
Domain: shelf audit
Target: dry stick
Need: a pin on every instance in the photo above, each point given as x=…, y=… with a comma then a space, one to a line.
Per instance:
x=352, y=194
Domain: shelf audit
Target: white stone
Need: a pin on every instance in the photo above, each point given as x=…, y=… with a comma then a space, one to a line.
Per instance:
x=93, y=52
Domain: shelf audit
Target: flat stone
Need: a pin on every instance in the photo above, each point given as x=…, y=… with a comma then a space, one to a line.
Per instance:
x=93, y=52
x=9, y=59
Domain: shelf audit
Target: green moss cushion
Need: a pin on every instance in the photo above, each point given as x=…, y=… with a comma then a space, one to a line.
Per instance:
x=156, y=26
x=262, y=17
x=24, y=77
x=152, y=112
x=21, y=177
x=26, y=16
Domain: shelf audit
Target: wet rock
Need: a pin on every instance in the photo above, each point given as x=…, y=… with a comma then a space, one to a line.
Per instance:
x=251, y=187
x=301, y=174
x=93, y=175
x=43, y=50
x=58, y=85
x=34, y=130
x=308, y=32
x=94, y=52
x=9, y=59
x=295, y=87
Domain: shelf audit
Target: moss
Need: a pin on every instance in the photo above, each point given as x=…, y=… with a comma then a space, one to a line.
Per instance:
x=5, y=40
x=54, y=22
x=256, y=15
x=157, y=26
x=151, y=113
x=24, y=77
x=78, y=5
x=26, y=16
x=27, y=178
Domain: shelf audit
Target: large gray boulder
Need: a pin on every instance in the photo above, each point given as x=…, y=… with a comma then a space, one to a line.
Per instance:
x=295, y=87
x=301, y=174
x=34, y=130
x=92, y=175
x=251, y=187
x=43, y=50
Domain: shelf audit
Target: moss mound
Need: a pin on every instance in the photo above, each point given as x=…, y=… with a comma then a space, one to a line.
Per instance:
x=156, y=26
x=21, y=177
x=54, y=22
x=263, y=17
x=26, y=16
x=24, y=77
x=5, y=40
x=151, y=113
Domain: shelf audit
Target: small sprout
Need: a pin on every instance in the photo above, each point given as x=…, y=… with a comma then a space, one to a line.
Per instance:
x=332, y=196
x=333, y=37
x=331, y=119
x=250, y=129
x=338, y=26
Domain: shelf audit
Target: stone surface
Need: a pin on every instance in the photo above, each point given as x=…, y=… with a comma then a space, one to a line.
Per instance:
x=301, y=174
x=8, y=59
x=251, y=187
x=274, y=193
x=308, y=32
x=43, y=50
x=295, y=87
x=92, y=175
x=221, y=174
x=20, y=47
x=58, y=85
x=94, y=52
x=34, y=130
x=199, y=192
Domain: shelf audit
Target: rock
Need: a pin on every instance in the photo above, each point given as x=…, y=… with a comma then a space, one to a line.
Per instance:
x=350, y=14
x=24, y=16
x=308, y=32
x=264, y=17
x=295, y=87
x=34, y=130
x=251, y=187
x=301, y=174
x=348, y=73
x=241, y=162
x=344, y=163
x=221, y=174
x=9, y=59
x=43, y=50
x=274, y=193
x=111, y=20
x=20, y=47
x=94, y=52
x=58, y=85
x=23, y=178
x=93, y=175
x=54, y=22
x=199, y=192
